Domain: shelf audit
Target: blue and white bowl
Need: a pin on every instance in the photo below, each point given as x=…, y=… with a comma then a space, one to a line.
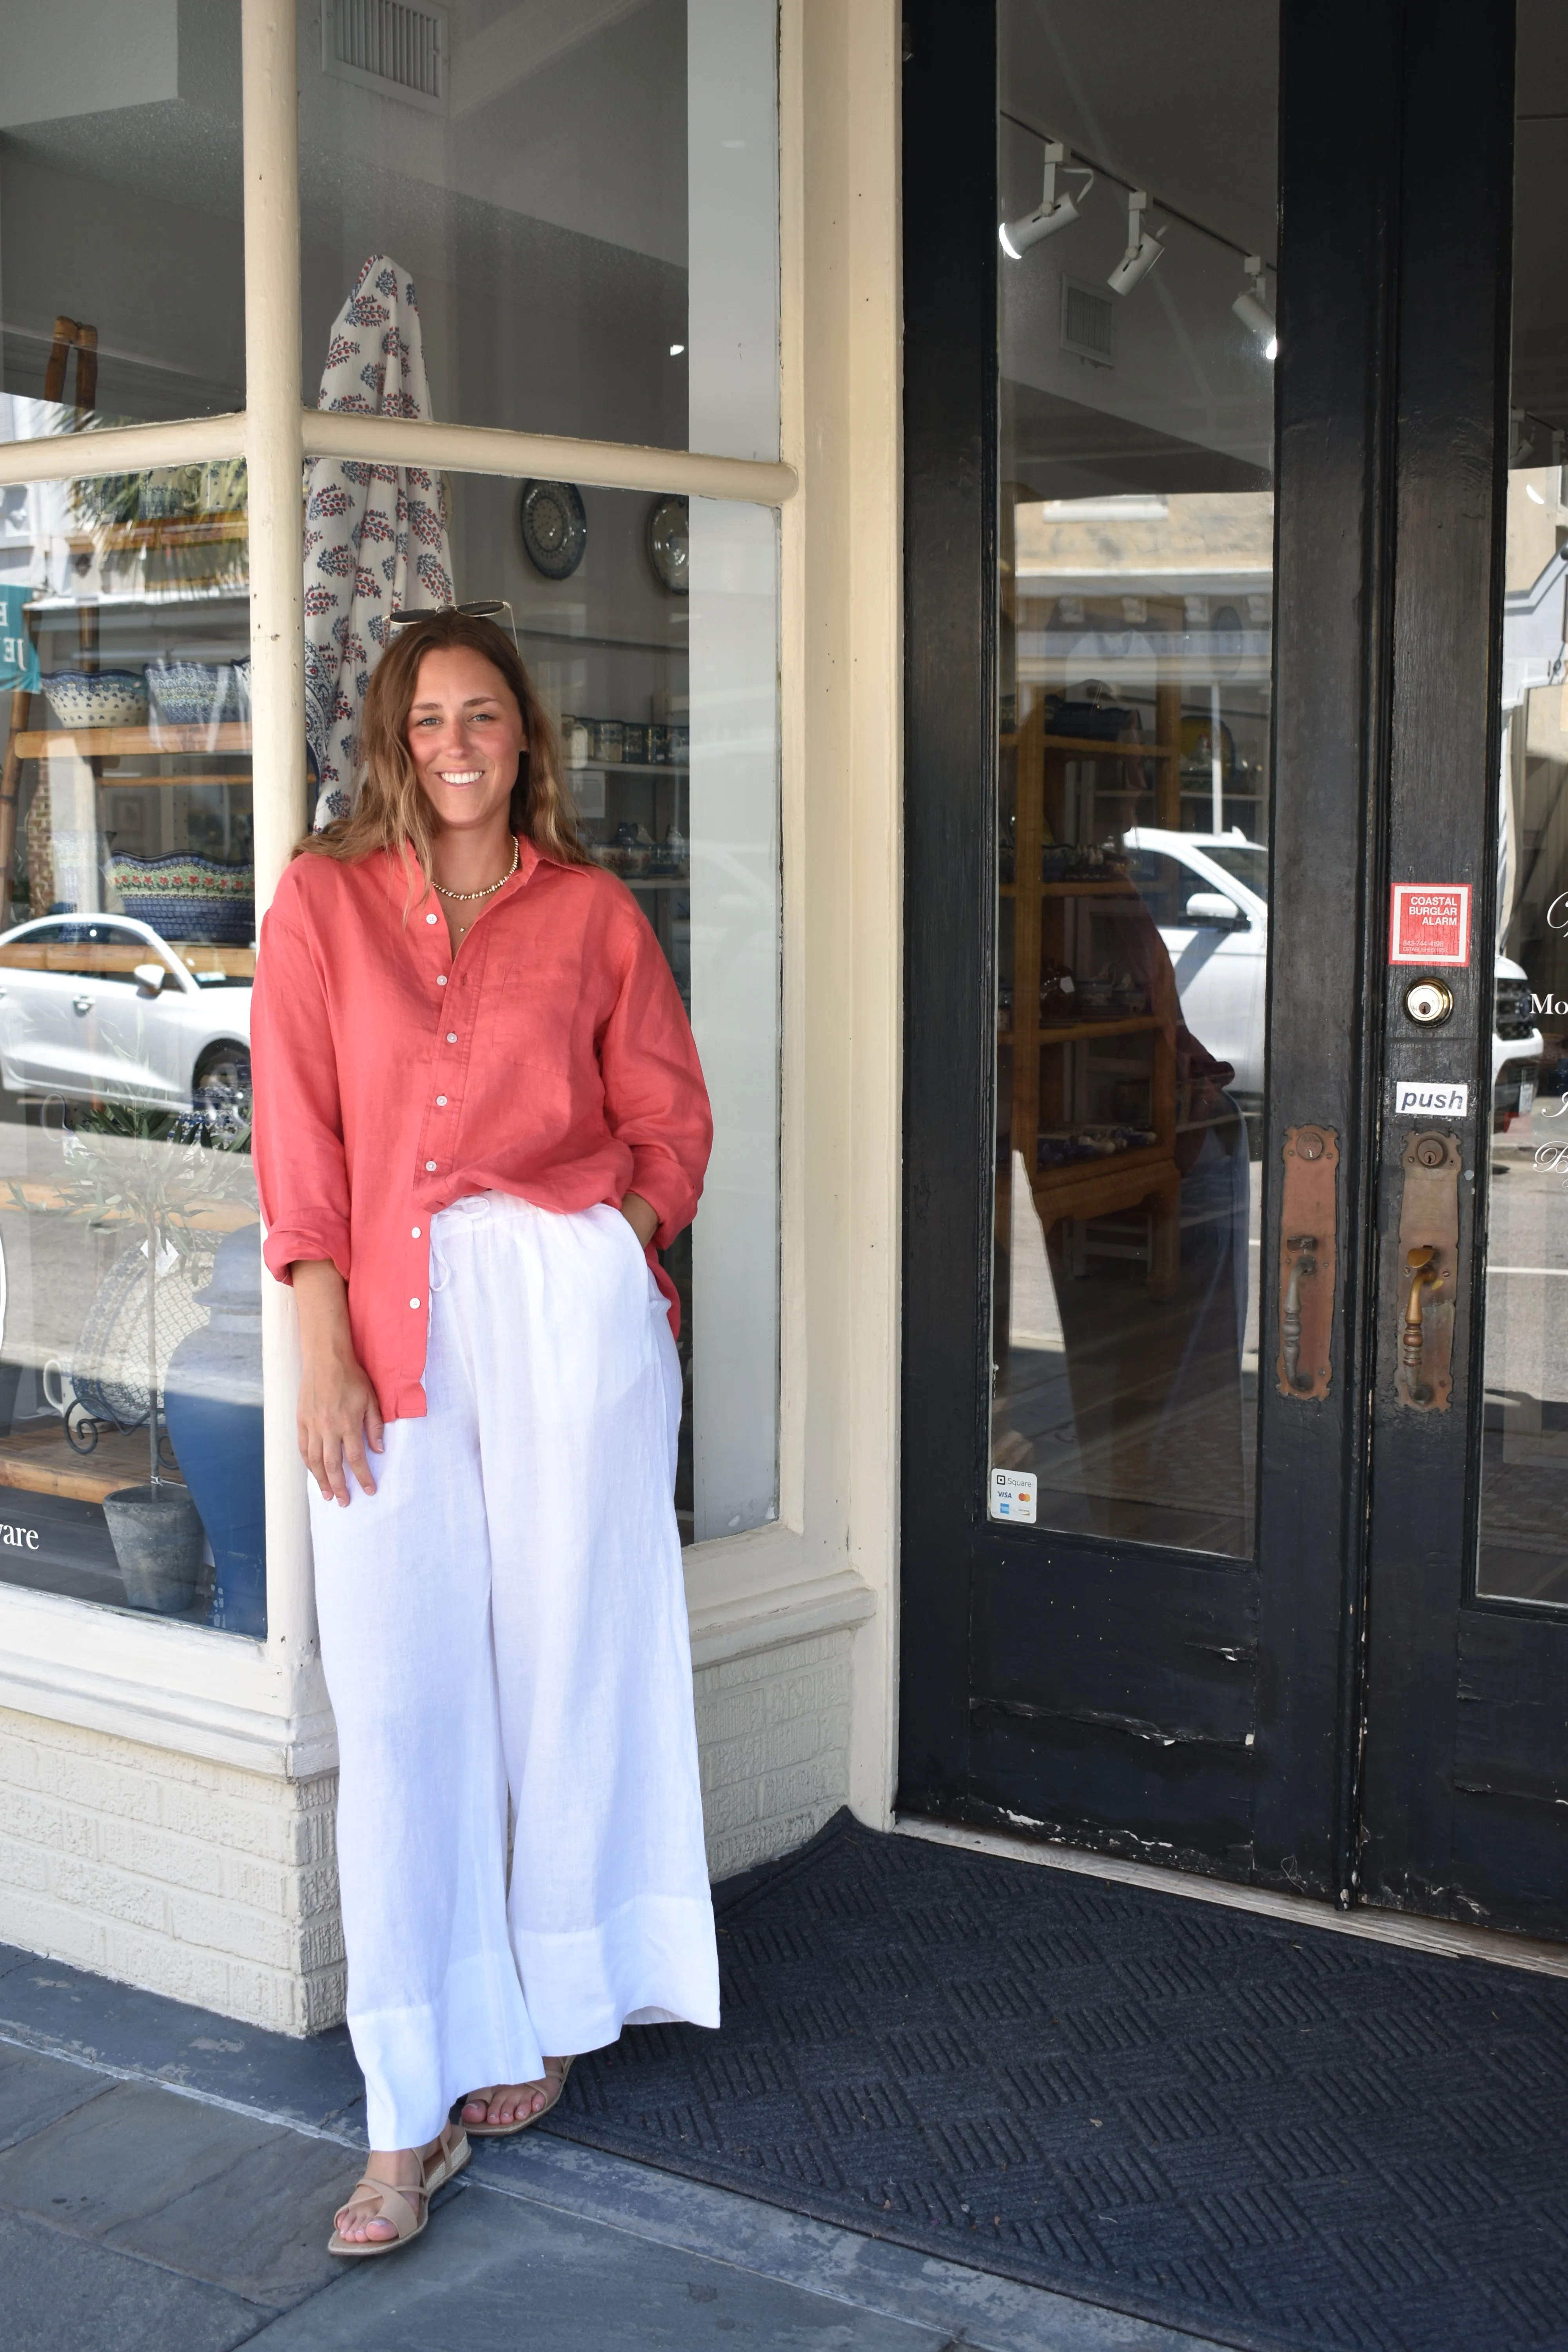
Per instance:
x=108, y=698
x=188, y=693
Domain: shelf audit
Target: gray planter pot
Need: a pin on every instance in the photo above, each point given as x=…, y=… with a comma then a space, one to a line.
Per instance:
x=157, y=1537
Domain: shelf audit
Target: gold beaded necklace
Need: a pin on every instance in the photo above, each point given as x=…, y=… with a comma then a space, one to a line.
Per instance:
x=490, y=888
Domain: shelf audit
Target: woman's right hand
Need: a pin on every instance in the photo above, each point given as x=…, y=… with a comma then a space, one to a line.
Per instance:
x=338, y=1410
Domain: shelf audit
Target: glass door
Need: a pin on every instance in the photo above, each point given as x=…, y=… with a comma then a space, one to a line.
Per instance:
x=1466, y=1758
x=1143, y=741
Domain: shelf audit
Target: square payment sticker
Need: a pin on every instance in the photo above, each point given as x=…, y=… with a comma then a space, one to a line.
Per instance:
x=1430, y=923
x=1013, y=1494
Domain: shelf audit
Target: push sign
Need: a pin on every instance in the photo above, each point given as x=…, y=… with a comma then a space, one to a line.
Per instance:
x=18, y=654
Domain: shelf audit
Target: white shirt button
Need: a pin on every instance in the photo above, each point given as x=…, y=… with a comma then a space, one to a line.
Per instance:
x=429, y=1168
x=414, y=1302
x=415, y=1233
x=430, y=918
x=451, y=1037
x=440, y=1102
x=440, y=980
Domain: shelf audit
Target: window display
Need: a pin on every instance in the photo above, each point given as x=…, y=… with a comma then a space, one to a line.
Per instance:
x=130, y=1345
x=666, y=697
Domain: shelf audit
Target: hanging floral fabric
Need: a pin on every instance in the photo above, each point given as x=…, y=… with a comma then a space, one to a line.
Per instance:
x=375, y=536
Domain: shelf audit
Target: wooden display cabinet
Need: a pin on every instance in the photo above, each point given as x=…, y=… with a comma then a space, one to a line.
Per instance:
x=1056, y=920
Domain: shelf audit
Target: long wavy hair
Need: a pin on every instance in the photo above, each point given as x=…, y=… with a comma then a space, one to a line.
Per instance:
x=391, y=809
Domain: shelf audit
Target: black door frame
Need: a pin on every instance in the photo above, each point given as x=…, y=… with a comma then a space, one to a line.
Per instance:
x=1188, y=1709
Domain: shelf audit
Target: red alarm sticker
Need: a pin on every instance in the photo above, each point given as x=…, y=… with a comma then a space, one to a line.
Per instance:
x=1430, y=923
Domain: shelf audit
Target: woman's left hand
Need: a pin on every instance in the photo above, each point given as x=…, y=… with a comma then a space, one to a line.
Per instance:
x=642, y=1217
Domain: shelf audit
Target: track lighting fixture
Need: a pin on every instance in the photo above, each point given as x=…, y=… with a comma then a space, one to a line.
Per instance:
x=1052, y=212
x=1143, y=247
x=1249, y=307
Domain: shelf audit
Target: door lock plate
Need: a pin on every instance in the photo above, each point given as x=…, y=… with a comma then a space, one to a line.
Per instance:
x=1311, y=1157
x=1428, y=1002
x=1427, y=1271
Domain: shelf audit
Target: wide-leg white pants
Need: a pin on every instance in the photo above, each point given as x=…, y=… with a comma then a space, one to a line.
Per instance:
x=505, y=1614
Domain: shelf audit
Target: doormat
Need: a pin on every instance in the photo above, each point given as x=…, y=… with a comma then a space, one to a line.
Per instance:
x=1267, y=2135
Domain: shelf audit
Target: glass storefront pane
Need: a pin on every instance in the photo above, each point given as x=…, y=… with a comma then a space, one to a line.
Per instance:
x=1137, y=288
x=130, y=1259
x=122, y=243
x=1524, y=1466
x=567, y=218
x=651, y=634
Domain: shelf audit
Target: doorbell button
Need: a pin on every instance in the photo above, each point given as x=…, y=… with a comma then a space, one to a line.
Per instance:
x=1428, y=1002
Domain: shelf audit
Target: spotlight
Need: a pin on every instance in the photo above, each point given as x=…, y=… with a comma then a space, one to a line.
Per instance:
x=676, y=350
x=1250, y=308
x=1052, y=212
x=1143, y=247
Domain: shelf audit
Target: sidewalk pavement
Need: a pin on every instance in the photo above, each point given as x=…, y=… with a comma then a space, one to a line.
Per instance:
x=168, y=2178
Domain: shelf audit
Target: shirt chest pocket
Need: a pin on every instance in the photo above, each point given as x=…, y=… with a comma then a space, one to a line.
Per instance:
x=538, y=1024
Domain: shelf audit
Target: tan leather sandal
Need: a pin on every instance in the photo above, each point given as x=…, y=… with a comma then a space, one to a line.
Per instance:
x=555, y=2083
x=408, y=2207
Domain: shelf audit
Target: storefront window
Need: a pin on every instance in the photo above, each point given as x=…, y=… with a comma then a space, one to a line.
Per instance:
x=122, y=243
x=1524, y=1466
x=1138, y=286
x=130, y=1264
x=649, y=626
x=584, y=202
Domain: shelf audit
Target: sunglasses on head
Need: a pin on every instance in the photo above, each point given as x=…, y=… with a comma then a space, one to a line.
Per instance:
x=483, y=608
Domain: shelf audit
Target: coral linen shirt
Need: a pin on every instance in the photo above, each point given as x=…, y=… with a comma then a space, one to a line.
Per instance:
x=550, y=1057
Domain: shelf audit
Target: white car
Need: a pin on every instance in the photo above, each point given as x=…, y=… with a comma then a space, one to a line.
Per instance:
x=1208, y=893
x=100, y=1006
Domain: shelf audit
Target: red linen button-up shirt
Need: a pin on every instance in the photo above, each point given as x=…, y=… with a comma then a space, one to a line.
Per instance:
x=550, y=1057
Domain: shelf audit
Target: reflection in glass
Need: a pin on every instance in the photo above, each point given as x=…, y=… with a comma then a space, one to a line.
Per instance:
x=585, y=200
x=121, y=246
x=130, y=1270
x=1524, y=1475
x=1136, y=594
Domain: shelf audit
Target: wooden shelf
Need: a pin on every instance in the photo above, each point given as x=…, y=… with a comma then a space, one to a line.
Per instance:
x=1122, y=890
x=1090, y=747
x=162, y=531
x=103, y=742
x=1072, y=1032
x=1105, y=1163
x=48, y=1463
x=629, y=767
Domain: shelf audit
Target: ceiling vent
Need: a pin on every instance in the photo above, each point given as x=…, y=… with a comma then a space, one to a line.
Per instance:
x=396, y=46
x=1088, y=324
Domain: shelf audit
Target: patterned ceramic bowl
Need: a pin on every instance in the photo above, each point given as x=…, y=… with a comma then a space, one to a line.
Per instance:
x=189, y=897
x=188, y=693
x=108, y=698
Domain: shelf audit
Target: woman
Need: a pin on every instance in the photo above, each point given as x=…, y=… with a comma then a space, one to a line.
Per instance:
x=479, y=1105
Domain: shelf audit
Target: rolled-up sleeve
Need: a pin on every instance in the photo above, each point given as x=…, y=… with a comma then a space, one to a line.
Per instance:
x=656, y=1104
x=301, y=1169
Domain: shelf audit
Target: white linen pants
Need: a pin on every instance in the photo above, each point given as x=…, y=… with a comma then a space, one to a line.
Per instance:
x=506, y=1616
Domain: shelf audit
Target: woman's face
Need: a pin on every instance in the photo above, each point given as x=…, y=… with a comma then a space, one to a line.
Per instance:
x=465, y=733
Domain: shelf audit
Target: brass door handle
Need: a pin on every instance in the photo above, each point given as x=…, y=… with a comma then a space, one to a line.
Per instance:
x=1421, y=1270
x=1303, y=1266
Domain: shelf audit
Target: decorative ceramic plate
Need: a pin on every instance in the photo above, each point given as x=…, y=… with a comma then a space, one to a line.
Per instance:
x=670, y=545
x=555, y=527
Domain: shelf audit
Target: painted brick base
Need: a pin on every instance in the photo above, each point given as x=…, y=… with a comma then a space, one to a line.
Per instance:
x=214, y=1885
x=219, y=1887
x=773, y=1733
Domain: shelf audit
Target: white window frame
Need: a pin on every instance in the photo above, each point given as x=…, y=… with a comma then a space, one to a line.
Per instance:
x=262, y=1704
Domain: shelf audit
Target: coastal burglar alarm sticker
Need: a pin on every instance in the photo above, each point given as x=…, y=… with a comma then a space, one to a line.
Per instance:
x=1431, y=923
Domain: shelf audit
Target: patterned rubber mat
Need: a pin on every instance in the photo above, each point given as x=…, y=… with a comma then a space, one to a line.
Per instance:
x=1268, y=2135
